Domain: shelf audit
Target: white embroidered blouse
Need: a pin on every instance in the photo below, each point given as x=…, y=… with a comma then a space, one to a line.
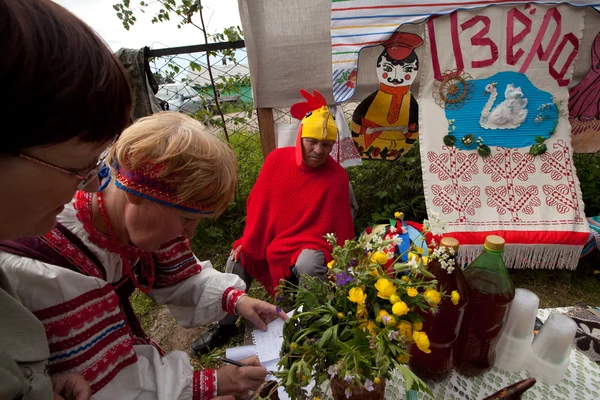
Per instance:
x=87, y=329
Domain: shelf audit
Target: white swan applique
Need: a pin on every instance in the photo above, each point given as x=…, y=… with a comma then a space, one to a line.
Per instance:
x=509, y=114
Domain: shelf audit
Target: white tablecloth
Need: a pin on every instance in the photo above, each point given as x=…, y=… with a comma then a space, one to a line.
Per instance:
x=581, y=382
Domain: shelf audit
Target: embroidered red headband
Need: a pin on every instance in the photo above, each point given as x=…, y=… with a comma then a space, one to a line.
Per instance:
x=146, y=182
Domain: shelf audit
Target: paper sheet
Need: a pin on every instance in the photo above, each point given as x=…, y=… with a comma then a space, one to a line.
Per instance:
x=241, y=352
x=268, y=344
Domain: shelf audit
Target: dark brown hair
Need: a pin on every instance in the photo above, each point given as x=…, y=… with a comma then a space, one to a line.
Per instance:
x=59, y=79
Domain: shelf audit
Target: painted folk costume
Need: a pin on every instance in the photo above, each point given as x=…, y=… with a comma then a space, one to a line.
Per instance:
x=77, y=281
x=385, y=124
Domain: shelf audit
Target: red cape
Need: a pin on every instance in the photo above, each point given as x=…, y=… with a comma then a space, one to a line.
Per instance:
x=290, y=209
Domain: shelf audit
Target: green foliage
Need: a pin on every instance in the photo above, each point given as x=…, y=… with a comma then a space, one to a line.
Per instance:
x=588, y=171
x=210, y=114
x=163, y=78
x=383, y=187
x=214, y=237
x=125, y=14
x=358, y=325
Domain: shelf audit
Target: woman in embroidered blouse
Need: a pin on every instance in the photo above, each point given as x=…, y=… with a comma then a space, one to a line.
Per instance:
x=68, y=98
x=166, y=173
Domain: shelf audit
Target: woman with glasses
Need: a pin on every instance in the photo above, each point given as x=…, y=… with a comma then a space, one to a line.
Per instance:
x=166, y=174
x=67, y=98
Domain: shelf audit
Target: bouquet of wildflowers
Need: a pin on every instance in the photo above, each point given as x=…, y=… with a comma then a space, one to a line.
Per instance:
x=359, y=325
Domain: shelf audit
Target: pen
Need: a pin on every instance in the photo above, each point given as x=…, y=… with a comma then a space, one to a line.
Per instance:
x=238, y=364
x=233, y=362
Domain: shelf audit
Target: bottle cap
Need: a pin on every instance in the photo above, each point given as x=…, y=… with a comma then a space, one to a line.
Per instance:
x=449, y=242
x=494, y=243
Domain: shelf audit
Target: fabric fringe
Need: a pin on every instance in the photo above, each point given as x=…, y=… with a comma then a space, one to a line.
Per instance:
x=528, y=256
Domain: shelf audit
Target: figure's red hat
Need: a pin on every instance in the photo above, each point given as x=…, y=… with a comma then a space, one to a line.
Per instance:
x=401, y=44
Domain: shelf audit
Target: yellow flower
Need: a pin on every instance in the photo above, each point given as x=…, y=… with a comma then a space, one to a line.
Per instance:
x=403, y=358
x=385, y=288
x=379, y=257
x=419, y=250
x=377, y=380
x=417, y=326
x=422, y=341
x=382, y=313
x=596, y=272
x=356, y=295
x=425, y=260
x=374, y=272
x=368, y=325
x=330, y=264
x=433, y=296
x=405, y=278
x=455, y=297
x=398, y=215
x=293, y=346
x=394, y=298
x=361, y=311
x=371, y=327
x=389, y=320
x=400, y=308
x=412, y=292
x=317, y=398
x=405, y=329
x=340, y=315
x=412, y=255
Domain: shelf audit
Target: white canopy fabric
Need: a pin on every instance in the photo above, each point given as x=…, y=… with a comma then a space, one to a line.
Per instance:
x=290, y=43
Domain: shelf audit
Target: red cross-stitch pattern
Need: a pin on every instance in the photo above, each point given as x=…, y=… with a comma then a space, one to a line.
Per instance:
x=559, y=166
x=510, y=165
x=455, y=166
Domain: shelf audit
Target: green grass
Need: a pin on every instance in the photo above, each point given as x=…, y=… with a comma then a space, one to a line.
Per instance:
x=559, y=288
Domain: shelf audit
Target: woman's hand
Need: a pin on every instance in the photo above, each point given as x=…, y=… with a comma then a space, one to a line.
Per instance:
x=235, y=254
x=258, y=311
x=70, y=386
x=240, y=381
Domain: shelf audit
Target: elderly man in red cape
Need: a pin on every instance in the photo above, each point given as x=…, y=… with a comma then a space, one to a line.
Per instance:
x=301, y=195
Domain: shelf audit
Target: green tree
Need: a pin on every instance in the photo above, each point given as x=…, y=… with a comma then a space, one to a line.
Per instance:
x=183, y=13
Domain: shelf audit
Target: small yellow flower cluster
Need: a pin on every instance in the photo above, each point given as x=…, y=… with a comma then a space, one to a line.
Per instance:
x=356, y=295
x=405, y=329
x=432, y=296
x=386, y=318
x=385, y=288
x=422, y=341
x=455, y=297
x=400, y=308
x=418, y=255
x=379, y=257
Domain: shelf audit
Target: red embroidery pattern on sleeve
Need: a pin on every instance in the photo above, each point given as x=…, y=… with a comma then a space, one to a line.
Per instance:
x=204, y=384
x=230, y=298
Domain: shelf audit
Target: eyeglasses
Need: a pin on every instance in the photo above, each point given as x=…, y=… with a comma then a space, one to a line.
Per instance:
x=84, y=179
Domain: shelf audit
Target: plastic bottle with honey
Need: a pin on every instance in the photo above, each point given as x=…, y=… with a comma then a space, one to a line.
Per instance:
x=490, y=296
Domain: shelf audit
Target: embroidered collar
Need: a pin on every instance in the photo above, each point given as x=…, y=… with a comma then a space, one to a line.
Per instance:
x=129, y=255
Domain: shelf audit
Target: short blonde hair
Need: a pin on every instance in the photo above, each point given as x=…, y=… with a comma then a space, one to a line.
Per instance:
x=199, y=166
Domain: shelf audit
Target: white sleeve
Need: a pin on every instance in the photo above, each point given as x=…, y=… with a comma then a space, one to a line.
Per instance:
x=154, y=377
x=201, y=298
